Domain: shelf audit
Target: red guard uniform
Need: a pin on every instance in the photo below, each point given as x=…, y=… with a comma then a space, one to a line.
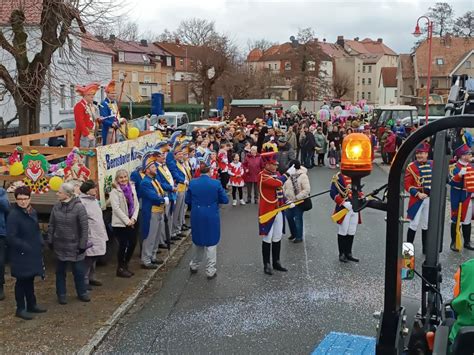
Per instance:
x=83, y=114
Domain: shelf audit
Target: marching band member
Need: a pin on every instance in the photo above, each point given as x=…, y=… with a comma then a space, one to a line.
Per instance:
x=271, y=197
x=341, y=193
x=418, y=185
x=110, y=115
x=461, y=179
x=85, y=114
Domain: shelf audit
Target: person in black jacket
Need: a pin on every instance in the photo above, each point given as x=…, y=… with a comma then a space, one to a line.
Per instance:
x=308, y=143
x=25, y=251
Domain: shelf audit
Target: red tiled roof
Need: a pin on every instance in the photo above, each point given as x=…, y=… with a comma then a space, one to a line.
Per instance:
x=369, y=46
x=178, y=50
x=254, y=55
x=450, y=49
x=333, y=50
x=280, y=52
x=32, y=10
x=406, y=64
x=389, y=77
x=91, y=43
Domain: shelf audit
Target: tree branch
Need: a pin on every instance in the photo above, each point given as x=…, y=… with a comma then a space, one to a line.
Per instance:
x=7, y=46
x=7, y=80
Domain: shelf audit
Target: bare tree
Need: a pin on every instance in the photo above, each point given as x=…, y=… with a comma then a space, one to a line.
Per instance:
x=341, y=85
x=442, y=15
x=261, y=44
x=165, y=36
x=120, y=27
x=464, y=25
x=196, y=32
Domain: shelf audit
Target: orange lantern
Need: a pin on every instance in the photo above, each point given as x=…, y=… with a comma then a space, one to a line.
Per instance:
x=356, y=160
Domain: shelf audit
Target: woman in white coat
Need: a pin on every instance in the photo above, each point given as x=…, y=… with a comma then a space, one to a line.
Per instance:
x=295, y=188
x=124, y=202
x=97, y=237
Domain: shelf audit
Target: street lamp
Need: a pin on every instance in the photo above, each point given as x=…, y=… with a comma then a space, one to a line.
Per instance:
x=417, y=33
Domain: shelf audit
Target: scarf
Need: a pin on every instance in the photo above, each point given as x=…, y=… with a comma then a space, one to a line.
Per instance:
x=127, y=192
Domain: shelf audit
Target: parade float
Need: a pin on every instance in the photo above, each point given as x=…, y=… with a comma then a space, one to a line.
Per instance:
x=25, y=161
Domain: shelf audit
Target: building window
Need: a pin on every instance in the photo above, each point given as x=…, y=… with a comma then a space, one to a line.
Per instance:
x=358, y=68
x=144, y=91
x=363, y=95
x=145, y=58
x=134, y=76
x=168, y=61
x=396, y=93
x=363, y=69
x=358, y=95
x=121, y=57
x=62, y=97
x=369, y=96
x=121, y=75
x=439, y=61
x=434, y=83
x=182, y=77
x=269, y=66
x=358, y=80
x=369, y=69
x=467, y=64
x=147, y=68
x=147, y=79
x=73, y=96
x=288, y=66
x=369, y=80
x=276, y=66
x=363, y=81
x=311, y=65
x=181, y=61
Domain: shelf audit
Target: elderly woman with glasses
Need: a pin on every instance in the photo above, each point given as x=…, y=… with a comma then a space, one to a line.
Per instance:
x=68, y=231
x=25, y=252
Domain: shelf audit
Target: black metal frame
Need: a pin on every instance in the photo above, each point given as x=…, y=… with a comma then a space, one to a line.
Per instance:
x=390, y=339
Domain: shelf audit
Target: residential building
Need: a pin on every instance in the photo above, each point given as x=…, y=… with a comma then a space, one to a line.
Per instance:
x=450, y=56
x=144, y=68
x=364, y=64
x=83, y=59
x=387, y=86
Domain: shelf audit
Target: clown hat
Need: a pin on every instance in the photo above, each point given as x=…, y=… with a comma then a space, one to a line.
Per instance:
x=269, y=157
x=149, y=158
x=162, y=146
x=90, y=89
x=423, y=148
x=110, y=88
x=463, y=149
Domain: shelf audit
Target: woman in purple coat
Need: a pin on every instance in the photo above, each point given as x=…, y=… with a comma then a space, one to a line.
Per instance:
x=253, y=165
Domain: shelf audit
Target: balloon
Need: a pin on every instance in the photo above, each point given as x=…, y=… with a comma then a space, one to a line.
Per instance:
x=294, y=109
x=55, y=183
x=366, y=108
x=16, y=169
x=337, y=110
x=323, y=115
x=133, y=133
x=325, y=107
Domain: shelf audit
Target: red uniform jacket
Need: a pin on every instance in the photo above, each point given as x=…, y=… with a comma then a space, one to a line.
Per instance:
x=84, y=123
x=271, y=197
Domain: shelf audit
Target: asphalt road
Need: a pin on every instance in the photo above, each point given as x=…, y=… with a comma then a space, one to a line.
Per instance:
x=245, y=311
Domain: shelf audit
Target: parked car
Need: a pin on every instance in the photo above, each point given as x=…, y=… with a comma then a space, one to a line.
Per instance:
x=173, y=119
x=191, y=126
x=391, y=113
x=67, y=123
x=213, y=114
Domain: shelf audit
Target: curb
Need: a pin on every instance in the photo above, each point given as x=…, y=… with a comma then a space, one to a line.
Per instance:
x=100, y=335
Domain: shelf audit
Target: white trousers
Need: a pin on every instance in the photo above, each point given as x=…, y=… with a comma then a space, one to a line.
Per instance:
x=211, y=258
x=178, y=213
x=150, y=244
x=421, y=215
x=349, y=224
x=276, y=232
x=468, y=218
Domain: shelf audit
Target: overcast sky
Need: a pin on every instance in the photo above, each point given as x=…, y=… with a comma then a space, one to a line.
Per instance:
x=276, y=20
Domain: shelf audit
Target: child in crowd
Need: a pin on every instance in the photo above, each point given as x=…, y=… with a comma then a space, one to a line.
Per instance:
x=332, y=156
x=214, y=172
x=236, y=172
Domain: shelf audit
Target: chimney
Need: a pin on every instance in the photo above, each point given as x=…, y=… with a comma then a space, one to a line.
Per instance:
x=379, y=40
x=143, y=43
x=340, y=41
x=176, y=41
x=100, y=38
x=324, y=40
x=356, y=39
x=112, y=37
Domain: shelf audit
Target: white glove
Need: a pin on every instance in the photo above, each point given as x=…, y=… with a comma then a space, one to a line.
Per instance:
x=291, y=170
x=463, y=171
x=347, y=205
x=186, y=182
x=292, y=205
x=167, y=200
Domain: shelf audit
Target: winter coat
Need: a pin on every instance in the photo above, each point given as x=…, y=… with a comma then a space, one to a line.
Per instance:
x=308, y=143
x=336, y=138
x=68, y=230
x=203, y=198
x=120, y=208
x=4, y=208
x=390, y=144
x=285, y=155
x=25, y=243
x=253, y=165
x=321, y=143
x=97, y=232
x=302, y=185
x=292, y=140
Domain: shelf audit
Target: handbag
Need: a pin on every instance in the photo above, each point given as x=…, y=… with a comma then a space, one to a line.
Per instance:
x=307, y=204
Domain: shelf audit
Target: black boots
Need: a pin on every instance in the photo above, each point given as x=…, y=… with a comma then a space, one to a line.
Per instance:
x=2, y=293
x=453, y=238
x=466, y=233
x=350, y=240
x=266, y=258
x=276, y=246
x=424, y=237
x=340, y=245
x=344, y=243
x=411, y=235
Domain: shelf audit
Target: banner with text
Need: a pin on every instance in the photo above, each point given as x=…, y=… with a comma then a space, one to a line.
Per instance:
x=123, y=155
